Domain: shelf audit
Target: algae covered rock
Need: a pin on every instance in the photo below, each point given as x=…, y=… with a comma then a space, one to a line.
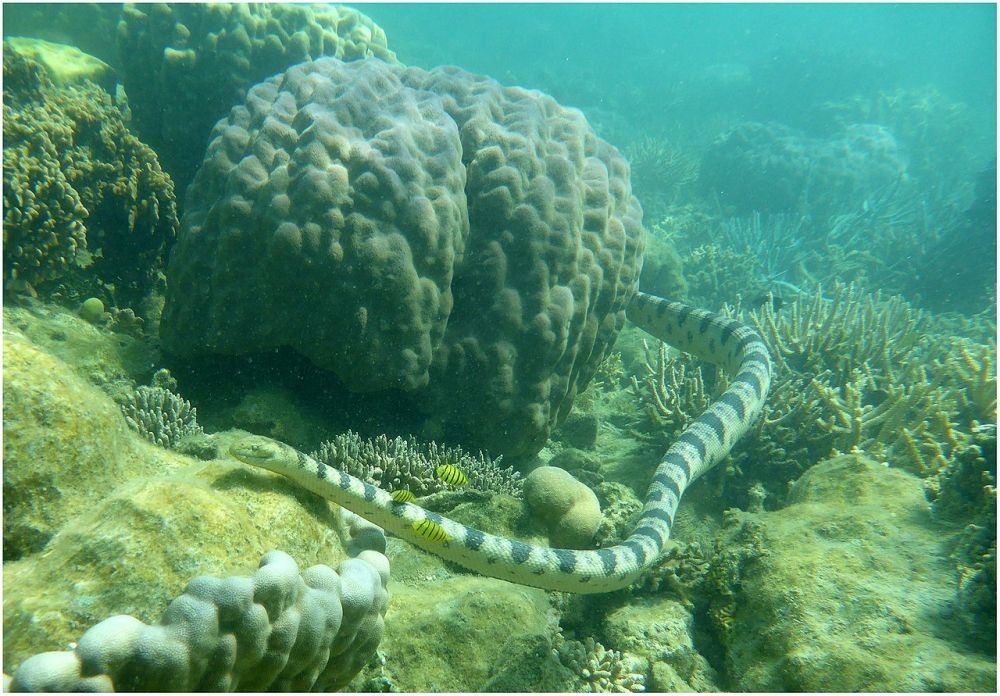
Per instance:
x=65, y=444
x=457, y=629
x=847, y=589
x=658, y=630
x=99, y=523
x=66, y=65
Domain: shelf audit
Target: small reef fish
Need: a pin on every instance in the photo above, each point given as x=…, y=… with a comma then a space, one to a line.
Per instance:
x=452, y=475
x=430, y=530
x=403, y=496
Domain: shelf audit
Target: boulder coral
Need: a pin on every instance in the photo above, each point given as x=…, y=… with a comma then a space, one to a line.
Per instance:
x=471, y=244
x=185, y=65
x=568, y=508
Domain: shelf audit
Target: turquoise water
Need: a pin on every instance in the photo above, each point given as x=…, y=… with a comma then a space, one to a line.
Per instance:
x=232, y=274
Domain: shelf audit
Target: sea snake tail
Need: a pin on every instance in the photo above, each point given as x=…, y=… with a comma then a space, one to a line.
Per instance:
x=705, y=442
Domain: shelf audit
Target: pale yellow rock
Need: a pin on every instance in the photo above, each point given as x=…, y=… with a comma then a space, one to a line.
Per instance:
x=66, y=65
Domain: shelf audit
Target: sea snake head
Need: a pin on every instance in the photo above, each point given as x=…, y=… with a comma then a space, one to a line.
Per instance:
x=261, y=451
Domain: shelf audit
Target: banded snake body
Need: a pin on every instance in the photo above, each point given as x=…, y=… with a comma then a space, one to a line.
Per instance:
x=705, y=442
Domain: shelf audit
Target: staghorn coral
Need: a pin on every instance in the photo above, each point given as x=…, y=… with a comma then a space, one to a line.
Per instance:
x=160, y=416
x=399, y=463
x=599, y=670
x=470, y=244
x=672, y=389
x=717, y=274
x=814, y=334
x=185, y=65
x=278, y=630
x=85, y=202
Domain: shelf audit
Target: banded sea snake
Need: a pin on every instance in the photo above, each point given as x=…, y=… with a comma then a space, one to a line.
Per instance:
x=708, y=438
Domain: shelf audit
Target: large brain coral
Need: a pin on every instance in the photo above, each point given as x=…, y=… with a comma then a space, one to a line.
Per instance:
x=185, y=65
x=433, y=232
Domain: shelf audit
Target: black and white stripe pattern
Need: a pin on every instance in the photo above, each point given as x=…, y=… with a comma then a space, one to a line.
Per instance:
x=709, y=438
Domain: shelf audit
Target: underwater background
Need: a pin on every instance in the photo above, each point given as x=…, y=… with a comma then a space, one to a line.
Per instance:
x=213, y=229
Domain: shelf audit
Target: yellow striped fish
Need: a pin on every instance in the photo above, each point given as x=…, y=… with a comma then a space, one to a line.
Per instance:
x=451, y=474
x=430, y=530
x=403, y=496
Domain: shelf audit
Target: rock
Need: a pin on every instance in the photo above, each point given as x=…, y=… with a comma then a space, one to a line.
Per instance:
x=66, y=65
x=65, y=445
x=460, y=631
x=579, y=430
x=99, y=522
x=658, y=629
x=846, y=589
x=569, y=510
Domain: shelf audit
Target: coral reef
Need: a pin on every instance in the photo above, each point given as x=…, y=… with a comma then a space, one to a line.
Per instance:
x=405, y=463
x=86, y=206
x=869, y=617
x=663, y=175
x=278, y=630
x=161, y=416
x=185, y=65
x=404, y=202
x=970, y=285
x=598, y=669
x=965, y=493
x=772, y=169
x=565, y=506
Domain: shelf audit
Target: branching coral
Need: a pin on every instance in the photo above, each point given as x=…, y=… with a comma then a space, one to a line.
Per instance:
x=399, y=463
x=672, y=389
x=839, y=334
x=160, y=416
x=600, y=670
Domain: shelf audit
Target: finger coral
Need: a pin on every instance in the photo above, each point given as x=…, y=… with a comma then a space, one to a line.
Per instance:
x=405, y=463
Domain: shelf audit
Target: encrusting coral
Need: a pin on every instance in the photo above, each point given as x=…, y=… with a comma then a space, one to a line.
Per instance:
x=85, y=202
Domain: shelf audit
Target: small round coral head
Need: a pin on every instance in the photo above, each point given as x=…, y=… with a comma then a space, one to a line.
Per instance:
x=92, y=310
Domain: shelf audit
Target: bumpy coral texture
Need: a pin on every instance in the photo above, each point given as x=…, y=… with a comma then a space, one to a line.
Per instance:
x=555, y=249
x=84, y=200
x=328, y=216
x=433, y=232
x=185, y=65
x=278, y=630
